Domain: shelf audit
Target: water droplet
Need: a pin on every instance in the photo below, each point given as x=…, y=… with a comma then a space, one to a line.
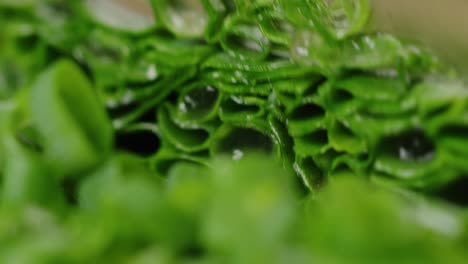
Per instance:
x=152, y=72
x=309, y=48
x=410, y=146
x=117, y=124
x=111, y=103
x=415, y=150
x=198, y=101
x=237, y=154
x=128, y=97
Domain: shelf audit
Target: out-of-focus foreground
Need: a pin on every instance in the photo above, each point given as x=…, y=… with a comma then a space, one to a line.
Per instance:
x=225, y=131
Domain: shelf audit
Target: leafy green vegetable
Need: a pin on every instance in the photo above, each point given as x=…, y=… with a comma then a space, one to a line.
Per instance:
x=225, y=131
x=74, y=127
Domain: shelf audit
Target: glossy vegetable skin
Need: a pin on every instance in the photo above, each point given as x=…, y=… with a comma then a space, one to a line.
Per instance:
x=225, y=131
